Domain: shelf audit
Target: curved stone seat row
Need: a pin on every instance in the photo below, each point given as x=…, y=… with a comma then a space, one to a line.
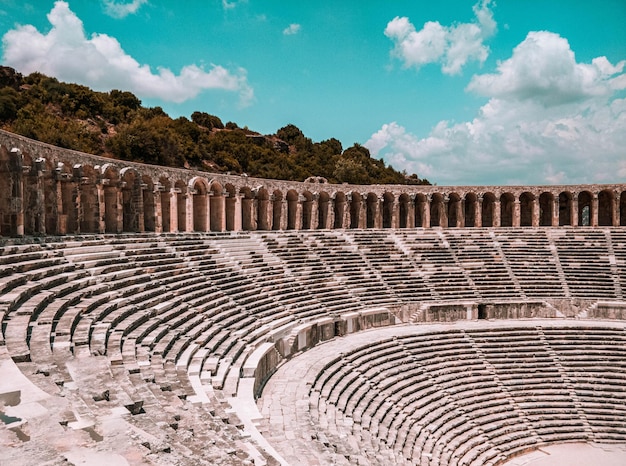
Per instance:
x=473, y=397
x=153, y=323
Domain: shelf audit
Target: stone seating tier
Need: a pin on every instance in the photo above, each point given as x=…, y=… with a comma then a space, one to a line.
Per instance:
x=176, y=316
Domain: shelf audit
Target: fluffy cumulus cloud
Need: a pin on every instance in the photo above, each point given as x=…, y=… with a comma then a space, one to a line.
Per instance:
x=292, y=29
x=118, y=9
x=100, y=62
x=543, y=68
x=451, y=46
x=549, y=120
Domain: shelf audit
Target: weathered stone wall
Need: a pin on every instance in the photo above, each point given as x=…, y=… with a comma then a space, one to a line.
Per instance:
x=49, y=190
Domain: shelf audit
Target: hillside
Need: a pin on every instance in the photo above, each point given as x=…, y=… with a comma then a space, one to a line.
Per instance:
x=115, y=124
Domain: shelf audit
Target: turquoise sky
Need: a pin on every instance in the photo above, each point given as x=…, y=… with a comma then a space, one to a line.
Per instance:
x=459, y=92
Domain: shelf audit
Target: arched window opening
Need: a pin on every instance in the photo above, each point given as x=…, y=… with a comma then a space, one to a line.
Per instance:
x=526, y=209
x=164, y=191
x=181, y=205
x=469, y=210
x=584, y=209
x=546, y=209
x=388, y=202
x=488, y=209
x=507, y=202
x=605, y=208
x=565, y=208
x=149, y=213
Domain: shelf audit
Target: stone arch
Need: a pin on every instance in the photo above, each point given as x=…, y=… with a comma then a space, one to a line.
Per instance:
x=323, y=204
x=165, y=193
x=622, y=209
x=454, y=211
x=437, y=211
x=585, y=206
x=566, y=208
x=371, y=210
x=404, y=209
x=526, y=209
x=489, y=210
x=263, y=209
x=307, y=210
x=546, y=209
x=606, y=201
x=112, y=199
x=507, y=203
x=149, y=206
x=230, y=205
x=180, y=188
x=469, y=209
x=217, y=207
x=277, y=210
x=199, y=191
x=388, y=210
x=421, y=211
x=339, y=209
x=132, y=200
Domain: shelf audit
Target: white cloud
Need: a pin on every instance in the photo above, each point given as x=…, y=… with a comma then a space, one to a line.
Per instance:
x=452, y=46
x=232, y=4
x=118, y=9
x=101, y=63
x=544, y=68
x=549, y=120
x=292, y=29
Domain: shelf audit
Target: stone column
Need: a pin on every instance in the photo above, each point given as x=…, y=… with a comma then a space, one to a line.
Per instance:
x=516, y=212
x=556, y=205
x=615, y=210
x=315, y=212
x=460, y=214
x=496, y=212
x=237, y=214
x=426, y=211
x=174, y=209
x=362, y=213
x=410, y=215
x=284, y=214
x=593, y=220
x=17, y=194
x=346, y=211
x=189, y=209
x=222, y=208
x=330, y=217
x=395, y=214
x=40, y=209
x=141, y=219
x=478, y=211
x=535, y=213
x=158, y=209
x=378, y=212
x=443, y=214
x=101, y=207
x=119, y=210
x=574, y=211
x=299, y=205
x=61, y=215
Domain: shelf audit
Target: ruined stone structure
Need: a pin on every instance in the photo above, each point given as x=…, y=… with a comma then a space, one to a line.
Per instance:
x=47, y=190
x=240, y=321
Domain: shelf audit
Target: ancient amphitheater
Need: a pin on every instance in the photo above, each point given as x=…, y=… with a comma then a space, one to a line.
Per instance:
x=160, y=316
